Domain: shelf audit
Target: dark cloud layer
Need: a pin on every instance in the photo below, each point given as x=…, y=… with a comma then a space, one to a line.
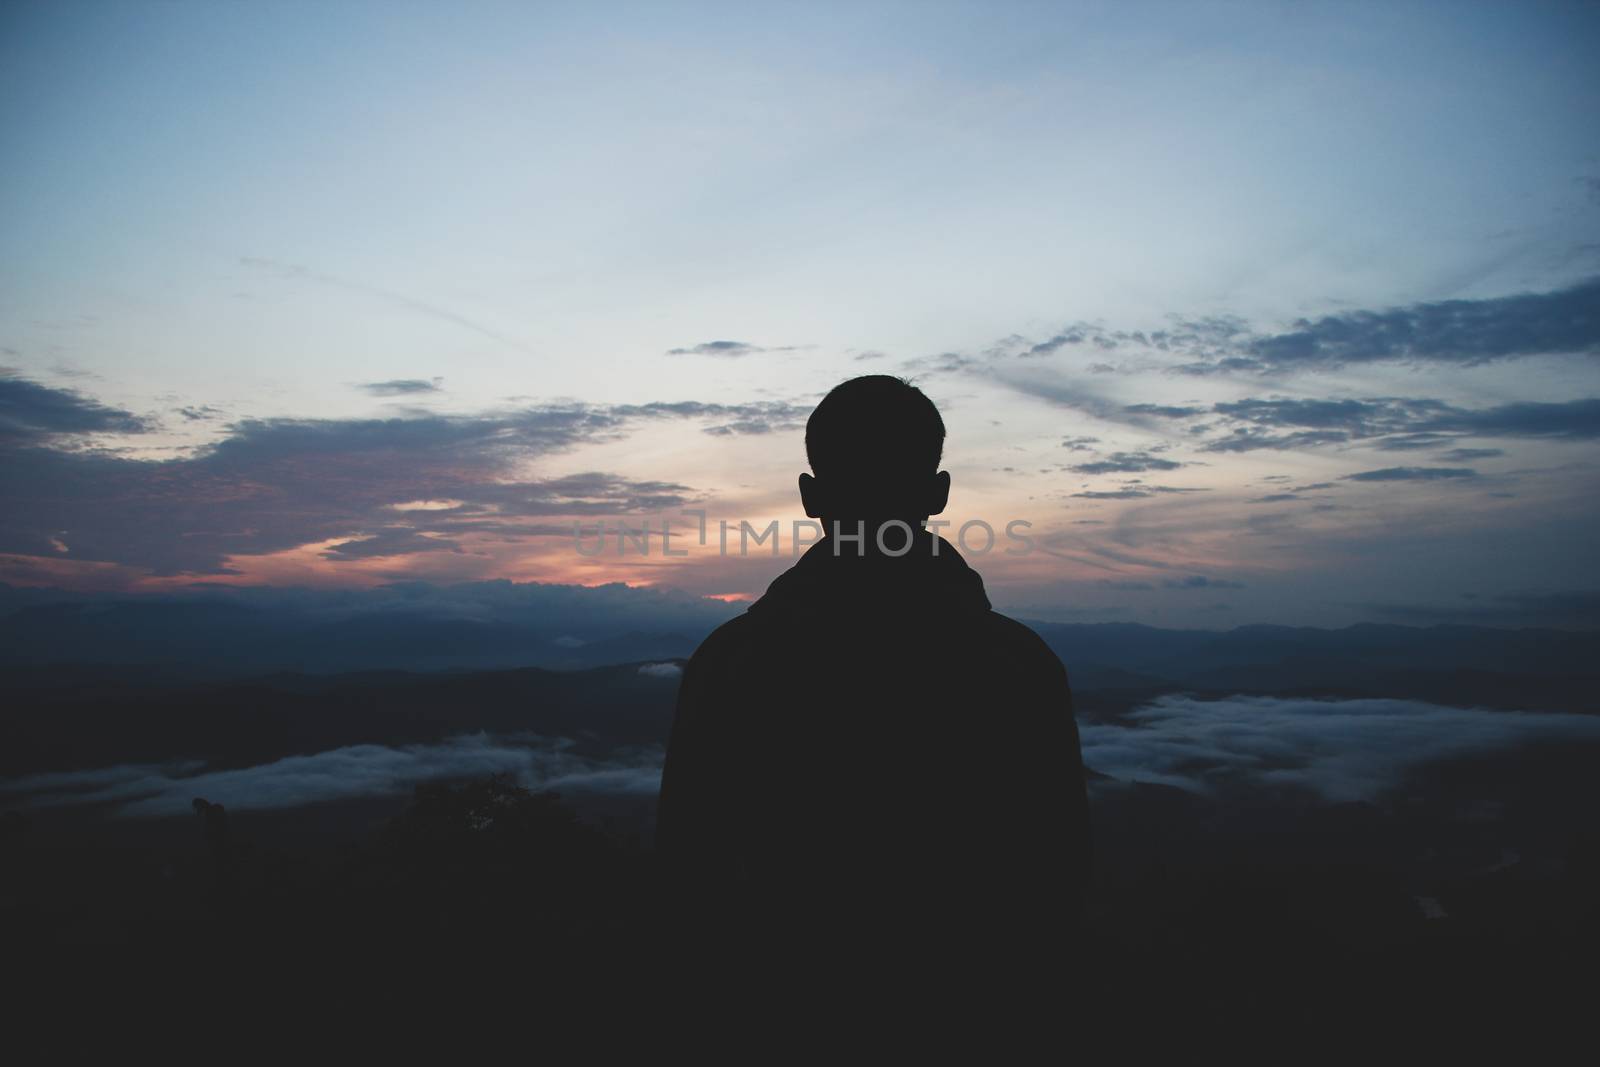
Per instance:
x=730, y=349
x=1449, y=331
x=389, y=541
x=1361, y=418
x=342, y=774
x=1412, y=474
x=1393, y=423
x=1215, y=337
x=1250, y=440
x=1166, y=411
x=1343, y=750
x=200, y=413
x=1135, y=492
x=1457, y=332
x=756, y=417
x=1200, y=581
x=1573, y=420
x=402, y=386
x=1128, y=463
x=31, y=413
x=277, y=483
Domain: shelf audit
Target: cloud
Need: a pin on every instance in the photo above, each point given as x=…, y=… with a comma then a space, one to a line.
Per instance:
x=1212, y=336
x=1343, y=750
x=661, y=670
x=939, y=363
x=1251, y=440
x=342, y=774
x=1282, y=423
x=1467, y=455
x=1456, y=332
x=97, y=780
x=1068, y=337
x=1127, y=462
x=402, y=386
x=1075, y=393
x=273, y=484
x=1200, y=581
x=1165, y=411
x=1360, y=418
x=736, y=349
x=1286, y=423
x=31, y=413
x=1449, y=331
x=757, y=417
x=1395, y=423
x=1412, y=442
x=1572, y=420
x=743, y=426
x=593, y=493
x=1412, y=474
x=1136, y=492
x=730, y=349
x=389, y=541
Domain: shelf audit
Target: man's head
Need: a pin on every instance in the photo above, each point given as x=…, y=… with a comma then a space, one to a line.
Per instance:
x=874, y=445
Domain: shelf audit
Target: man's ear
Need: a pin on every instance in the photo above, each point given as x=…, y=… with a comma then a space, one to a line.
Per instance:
x=811, y=496
x=941, y=493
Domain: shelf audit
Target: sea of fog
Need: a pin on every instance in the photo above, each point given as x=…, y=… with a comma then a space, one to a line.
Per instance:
x=1340, y=750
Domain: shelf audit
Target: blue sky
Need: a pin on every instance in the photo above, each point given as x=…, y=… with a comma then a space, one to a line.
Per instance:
x=269, y=271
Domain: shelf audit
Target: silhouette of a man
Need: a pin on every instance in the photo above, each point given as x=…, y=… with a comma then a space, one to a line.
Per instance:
x=870, y=760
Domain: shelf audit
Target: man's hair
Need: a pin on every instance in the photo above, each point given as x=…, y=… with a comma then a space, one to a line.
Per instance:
x=876, y=430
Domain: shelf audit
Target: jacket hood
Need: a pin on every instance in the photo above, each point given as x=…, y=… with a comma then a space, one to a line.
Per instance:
x=922, y=579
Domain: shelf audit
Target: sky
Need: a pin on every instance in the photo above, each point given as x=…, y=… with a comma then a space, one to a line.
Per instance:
x=1254, y=312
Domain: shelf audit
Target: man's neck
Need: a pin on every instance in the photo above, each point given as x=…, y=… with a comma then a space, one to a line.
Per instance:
x=878, y=538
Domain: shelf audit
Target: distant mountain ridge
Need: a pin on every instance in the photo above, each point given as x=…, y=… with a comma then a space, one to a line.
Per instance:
x=1556, y=670
x=496, y=626
x=220, y=639
x=118, y=715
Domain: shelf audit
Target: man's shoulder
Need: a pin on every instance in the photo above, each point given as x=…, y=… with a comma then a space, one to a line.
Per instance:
x=725, y=641
x=1021, y=640
x=735, y=640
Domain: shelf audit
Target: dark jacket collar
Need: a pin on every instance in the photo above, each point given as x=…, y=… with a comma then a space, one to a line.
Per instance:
x=922, y=579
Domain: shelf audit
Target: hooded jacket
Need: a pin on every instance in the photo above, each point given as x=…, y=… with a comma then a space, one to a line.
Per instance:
x=871, y=754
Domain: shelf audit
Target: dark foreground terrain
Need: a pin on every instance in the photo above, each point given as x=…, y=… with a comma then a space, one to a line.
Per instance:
x=1308, y=859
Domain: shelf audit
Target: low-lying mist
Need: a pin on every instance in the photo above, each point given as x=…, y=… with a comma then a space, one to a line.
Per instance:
x=1341, y=750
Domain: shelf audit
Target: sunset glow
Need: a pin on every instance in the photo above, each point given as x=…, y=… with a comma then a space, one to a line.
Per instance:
x=1298, y=326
